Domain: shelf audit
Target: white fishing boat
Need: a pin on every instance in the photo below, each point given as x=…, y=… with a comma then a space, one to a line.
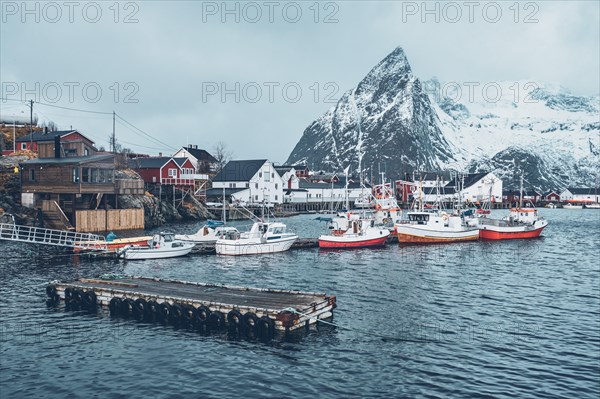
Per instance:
x=434, y=227
x=263, y=238
x=592, y=206
x=163, y=245
x=573, y=205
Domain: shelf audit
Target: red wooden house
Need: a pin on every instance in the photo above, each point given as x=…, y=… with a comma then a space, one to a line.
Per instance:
x=552, y=197
x=404, y=190
x=165, y=170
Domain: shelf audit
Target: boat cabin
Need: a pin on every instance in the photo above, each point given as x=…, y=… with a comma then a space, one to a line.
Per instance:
x=419, y=217
x=523, y=215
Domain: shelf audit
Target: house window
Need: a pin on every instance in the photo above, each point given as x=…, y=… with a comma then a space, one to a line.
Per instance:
x=267, y=198
x=260, y=175
x=247, y=185
x=256, y=185
x=85, y=175
x=95, y=175
x=31, y=175
x=153, y=179
x=309, y=195
x=75, y=175
x=276, y=186
x=86, y=152
x=23, y=146
x=172, y=172
x=267, y=176
x=256, y=197
x=275, y=198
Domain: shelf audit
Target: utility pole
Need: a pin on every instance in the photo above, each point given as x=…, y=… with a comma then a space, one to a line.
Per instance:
x=113, y=143
x=31, y=124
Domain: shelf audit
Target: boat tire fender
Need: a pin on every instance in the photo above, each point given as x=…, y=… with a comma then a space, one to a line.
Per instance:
x=151, y=308
x=127, y=306
x=51, y=290
x=140, y=306
x=250, y=321
x=234, y=319
x=266, y=327
x=202, y=314
x=188, y=314
x=216, y=320
x=115, y=305
x=164, y=311
x=90, y=300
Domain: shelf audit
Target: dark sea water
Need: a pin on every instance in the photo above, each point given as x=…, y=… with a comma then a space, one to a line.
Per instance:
x=504, y=319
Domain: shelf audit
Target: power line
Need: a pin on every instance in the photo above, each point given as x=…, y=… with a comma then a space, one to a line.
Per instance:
x=130, y=125
x=75, y=109
x=151, y=139
x=144, y=133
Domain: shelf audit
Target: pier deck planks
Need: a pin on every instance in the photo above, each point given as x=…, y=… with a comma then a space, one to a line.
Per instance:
x=265, y=299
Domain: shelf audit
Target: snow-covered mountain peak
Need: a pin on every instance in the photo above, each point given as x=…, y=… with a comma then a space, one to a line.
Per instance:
x=393, y=119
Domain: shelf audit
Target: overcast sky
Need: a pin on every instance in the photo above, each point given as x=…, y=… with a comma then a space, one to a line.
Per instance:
x=163, y=66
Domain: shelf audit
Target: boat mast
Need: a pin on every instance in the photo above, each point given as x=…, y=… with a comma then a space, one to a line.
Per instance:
x=521, y=193
x=331, y=198
x=224, y=213
x=346, y=190
x=421, y=194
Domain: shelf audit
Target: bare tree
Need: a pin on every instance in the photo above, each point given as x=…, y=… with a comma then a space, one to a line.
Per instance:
x=222, y=155
x=52, y=127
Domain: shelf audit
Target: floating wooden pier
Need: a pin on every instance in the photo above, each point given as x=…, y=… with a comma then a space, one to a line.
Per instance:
x=197, y=304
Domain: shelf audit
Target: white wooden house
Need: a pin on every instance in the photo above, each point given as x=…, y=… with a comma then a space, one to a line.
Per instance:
x=254, y=181
x=580, y=195
x=203, y=162
x=475, y=187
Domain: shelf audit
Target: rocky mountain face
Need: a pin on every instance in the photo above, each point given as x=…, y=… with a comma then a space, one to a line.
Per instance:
x=392, y=118
x=549, y=135
x=387, y=119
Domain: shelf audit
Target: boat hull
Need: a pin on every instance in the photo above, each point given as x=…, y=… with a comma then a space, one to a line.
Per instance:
x=409, y=235
x=117, y=244
x=333, y=242
x=153, y=253
x=242, y=247
x=487, y=233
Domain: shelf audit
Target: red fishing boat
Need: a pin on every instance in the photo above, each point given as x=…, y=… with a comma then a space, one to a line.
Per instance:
x=520, y=223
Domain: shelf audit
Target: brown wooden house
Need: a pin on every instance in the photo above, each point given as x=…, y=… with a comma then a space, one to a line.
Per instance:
x=71, y=176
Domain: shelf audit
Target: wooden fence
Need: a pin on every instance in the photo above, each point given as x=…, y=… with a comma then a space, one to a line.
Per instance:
x=116, y=219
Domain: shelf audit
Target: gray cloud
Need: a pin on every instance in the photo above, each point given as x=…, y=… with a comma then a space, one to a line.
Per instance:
x=171, y=54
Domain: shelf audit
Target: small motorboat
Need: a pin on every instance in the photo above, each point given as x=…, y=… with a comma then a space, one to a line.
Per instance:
x=550, y=205
x=263, y=238
x=573, y=205
x=594, y=205
x=163, y=245
x=207, y=235
x=353, y=232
